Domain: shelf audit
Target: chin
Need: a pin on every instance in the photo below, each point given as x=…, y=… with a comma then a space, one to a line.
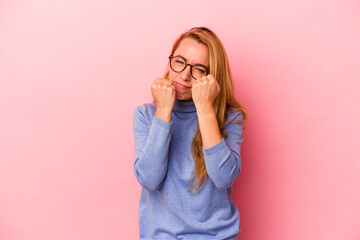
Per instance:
x=183, y=98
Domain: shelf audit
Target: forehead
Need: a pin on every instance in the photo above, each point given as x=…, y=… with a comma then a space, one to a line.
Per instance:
x=193, y=51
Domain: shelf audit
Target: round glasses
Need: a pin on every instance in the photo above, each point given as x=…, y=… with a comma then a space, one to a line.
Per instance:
x=178, y=64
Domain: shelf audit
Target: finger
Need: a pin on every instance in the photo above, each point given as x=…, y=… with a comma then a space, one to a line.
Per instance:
x=154, y=85
x=211, y=78
x=162, y=83
x=173, y=88
x=156, y=82
x=204, y=79
x=196, y=83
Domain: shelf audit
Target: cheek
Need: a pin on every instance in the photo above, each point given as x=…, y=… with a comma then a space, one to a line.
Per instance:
x=171, y=75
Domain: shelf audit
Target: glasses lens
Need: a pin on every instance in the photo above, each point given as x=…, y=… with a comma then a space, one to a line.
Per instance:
x=177, y=64
x=198, y=72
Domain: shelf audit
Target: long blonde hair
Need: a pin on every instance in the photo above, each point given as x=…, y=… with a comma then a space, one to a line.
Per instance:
x=225, y=101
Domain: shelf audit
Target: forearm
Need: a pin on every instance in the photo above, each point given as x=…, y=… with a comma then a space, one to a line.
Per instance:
x=222, y=160
x=151, y=155
x=209, y=127
x=163, y=114
x=222, y=165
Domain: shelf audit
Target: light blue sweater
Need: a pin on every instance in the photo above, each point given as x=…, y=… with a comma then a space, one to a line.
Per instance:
x=164, y=166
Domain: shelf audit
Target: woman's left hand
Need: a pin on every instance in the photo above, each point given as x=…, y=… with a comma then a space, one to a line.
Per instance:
x=204, y=91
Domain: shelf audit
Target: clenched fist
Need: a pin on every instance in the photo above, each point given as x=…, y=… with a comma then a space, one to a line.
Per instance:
x=204, y=91
x=164, y=95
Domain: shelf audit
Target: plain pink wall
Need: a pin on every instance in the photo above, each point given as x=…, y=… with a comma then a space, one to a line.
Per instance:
x=72, y=73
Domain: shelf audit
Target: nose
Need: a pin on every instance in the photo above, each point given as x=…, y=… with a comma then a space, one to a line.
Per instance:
x=185, y=75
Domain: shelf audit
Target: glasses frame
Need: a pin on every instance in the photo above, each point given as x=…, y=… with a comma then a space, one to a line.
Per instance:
x=187, y=64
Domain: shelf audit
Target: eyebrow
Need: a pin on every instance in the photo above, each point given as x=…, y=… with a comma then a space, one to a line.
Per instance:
x=196, y=64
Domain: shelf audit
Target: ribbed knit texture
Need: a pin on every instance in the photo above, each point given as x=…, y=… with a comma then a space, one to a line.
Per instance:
x=164, y=165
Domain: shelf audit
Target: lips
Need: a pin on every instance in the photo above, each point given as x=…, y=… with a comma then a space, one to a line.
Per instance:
x=180, y=85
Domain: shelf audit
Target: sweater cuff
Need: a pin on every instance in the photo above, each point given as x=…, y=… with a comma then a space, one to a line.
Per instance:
x=221, y=145
x=161, y=123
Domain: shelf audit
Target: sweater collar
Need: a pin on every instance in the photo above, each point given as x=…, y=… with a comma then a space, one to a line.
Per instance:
x=184, y=106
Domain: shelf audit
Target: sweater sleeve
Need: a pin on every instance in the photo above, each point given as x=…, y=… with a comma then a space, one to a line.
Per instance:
x=152, y=139
x=223, y=161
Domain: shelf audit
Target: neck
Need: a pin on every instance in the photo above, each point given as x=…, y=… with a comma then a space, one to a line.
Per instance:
x=184, y=106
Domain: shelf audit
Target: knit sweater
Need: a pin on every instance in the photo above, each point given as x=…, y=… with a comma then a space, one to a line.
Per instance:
x=164, y=166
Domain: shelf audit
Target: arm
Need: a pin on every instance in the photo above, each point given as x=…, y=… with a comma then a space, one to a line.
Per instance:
x=204, y=92
x=221, y=156
x=152, y=137
x=152, y=141
x=223, y=161
x=208, y=125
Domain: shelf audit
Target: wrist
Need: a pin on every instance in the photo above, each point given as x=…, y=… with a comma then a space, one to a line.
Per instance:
x=205, y=108
x=163, y=114
x=206, y=114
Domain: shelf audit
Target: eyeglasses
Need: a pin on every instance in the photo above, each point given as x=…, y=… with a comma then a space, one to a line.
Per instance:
x=178, y=64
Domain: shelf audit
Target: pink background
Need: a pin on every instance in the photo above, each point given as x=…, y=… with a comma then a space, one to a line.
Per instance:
x=72, y=73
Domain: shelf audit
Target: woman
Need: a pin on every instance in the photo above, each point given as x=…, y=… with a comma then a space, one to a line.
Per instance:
x=187, y=145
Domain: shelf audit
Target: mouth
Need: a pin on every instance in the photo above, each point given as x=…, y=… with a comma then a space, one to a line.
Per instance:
x=180, y=85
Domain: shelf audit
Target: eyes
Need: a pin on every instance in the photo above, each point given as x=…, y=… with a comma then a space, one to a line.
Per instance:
x=200, y=70
x=178, y=64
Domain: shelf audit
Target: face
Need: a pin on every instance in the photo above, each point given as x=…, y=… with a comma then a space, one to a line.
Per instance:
x=192, y=52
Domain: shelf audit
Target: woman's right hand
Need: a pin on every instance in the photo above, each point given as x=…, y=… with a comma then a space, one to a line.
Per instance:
x=163, y=93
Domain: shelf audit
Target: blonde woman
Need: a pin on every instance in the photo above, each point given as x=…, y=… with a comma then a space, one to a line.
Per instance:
x=187, y=145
